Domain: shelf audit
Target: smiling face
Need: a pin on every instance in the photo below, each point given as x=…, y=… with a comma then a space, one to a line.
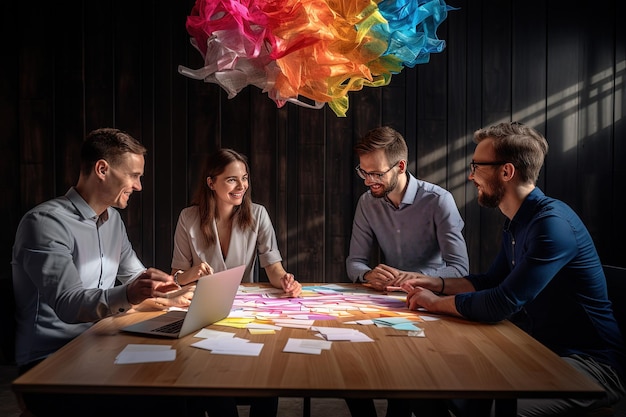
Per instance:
x=376, y=162
x=122, y=179
x=231, y=185
x=486, y=178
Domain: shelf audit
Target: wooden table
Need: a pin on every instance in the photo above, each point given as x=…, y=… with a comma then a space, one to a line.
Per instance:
x=456, y=359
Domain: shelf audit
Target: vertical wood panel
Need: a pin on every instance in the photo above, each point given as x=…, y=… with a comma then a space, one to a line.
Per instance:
x=179, y=139
x=529, y=68
x=68, y=97
x=99, y=66
x=432, y=106
x=129, y=36
x=399, y=102
x=10, y=190
x=35, y=109
x=338, y=205
x=234, y=133
x=263, y=158
x=280, y=220
x=479, y=259
x=399, y=109
x=161, y=161
x=595, y=124
x=202, y=116
x=203, y=124
x=614, y=248
x=456, y=118
x=262, y=151
x=409, y=113
x=311, y=189
x=143, y=203
x=563, y=88
x=496, y=96
x=367, y=114
x=289, y=188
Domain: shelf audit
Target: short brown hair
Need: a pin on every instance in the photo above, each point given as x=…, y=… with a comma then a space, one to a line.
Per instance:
x=385, y=138
x=108, y=144
x=518, y=144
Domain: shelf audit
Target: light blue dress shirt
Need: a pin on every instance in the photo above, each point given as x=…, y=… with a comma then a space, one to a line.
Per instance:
x=424, y=234
x=66, y=260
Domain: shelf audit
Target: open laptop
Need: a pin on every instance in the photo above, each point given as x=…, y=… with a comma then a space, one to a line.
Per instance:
x=212, y=301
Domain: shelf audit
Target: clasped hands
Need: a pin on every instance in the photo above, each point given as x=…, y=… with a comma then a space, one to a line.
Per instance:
x=291, y=287
x=386, y=278
x=420, y=288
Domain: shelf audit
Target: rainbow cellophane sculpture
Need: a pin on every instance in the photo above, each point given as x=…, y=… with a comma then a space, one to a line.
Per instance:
x=311, y=52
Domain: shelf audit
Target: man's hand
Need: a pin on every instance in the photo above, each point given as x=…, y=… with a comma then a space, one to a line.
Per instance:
x=420, y=297
x=383, y=276
x=180, y=298
x=415, y=280
x=152, y=281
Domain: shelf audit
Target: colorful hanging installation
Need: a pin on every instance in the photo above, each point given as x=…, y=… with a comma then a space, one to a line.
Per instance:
x=311, y=52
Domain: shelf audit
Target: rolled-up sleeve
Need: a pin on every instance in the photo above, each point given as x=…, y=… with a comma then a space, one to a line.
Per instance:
x=267, y=244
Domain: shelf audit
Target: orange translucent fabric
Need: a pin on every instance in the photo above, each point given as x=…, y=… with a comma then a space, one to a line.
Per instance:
x=311, y=52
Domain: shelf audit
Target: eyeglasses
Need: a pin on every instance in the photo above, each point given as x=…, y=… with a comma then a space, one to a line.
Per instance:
x=373, y=176
x=474, y=164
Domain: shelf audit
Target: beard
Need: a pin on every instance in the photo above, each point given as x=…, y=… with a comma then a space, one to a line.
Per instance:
x=493, y=199
x=387, y=188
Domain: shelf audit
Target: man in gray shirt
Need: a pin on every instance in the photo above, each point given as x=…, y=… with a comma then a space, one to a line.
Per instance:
x=416, y=224
x=67, y=256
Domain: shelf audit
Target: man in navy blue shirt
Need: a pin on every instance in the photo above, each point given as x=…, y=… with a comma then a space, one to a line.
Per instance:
x=547, y=278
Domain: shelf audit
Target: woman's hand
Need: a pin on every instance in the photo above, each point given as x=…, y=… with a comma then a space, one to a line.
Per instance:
x=192, y=274
x=291, y=287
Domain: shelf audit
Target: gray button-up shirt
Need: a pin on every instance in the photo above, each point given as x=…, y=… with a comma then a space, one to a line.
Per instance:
x=423, y=235
x=65, y=262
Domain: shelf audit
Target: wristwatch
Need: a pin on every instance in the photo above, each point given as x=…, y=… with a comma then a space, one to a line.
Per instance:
x=176, y=277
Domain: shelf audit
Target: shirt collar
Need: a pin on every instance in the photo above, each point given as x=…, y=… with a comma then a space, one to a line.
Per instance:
x=411, y=190
x=85, y=209
x=527, y=209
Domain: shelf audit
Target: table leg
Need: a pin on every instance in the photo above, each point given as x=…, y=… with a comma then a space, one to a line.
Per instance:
x=306, y=407
x=506, y=408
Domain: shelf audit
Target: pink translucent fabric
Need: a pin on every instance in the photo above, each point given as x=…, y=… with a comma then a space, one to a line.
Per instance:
x=311, y=52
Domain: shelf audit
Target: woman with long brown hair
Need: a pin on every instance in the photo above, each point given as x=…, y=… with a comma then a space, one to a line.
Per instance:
x=223, y=228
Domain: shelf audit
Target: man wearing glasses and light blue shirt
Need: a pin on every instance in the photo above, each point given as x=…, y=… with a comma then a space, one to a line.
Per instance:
x=416, y=224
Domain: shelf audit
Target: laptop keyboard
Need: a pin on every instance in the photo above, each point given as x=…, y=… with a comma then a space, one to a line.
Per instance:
x=173, y=327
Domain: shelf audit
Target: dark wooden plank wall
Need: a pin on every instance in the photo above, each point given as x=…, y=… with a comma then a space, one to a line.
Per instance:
x=555, y=66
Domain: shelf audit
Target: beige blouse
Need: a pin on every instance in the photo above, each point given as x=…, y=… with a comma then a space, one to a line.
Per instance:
x=190, y=247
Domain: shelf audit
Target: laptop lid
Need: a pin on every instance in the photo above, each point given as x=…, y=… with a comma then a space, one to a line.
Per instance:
x=211, y=302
